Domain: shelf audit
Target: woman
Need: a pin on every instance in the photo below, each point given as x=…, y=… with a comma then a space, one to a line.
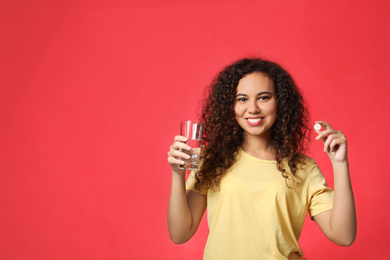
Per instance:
x=254, y=178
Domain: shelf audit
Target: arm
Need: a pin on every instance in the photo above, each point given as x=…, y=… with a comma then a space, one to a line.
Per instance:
x=186, y=208
x=338, y=224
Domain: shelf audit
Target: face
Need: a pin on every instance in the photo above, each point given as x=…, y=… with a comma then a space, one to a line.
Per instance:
x=256, y=106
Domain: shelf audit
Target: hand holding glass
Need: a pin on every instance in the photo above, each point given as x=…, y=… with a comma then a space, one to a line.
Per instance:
x=191, y=130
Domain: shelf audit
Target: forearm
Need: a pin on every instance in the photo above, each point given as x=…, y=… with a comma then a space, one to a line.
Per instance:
x=179, y=215
x=343, y=218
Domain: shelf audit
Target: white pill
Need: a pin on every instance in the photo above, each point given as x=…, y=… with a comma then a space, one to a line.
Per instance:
x=317, y=127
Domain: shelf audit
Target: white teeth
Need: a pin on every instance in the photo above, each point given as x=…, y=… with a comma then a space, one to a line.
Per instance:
x=253, y=121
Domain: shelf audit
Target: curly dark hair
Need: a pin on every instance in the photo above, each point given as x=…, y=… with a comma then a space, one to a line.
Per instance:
x=223, y=136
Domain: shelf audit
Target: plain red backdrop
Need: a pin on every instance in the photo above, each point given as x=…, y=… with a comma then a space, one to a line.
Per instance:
x=92, y=92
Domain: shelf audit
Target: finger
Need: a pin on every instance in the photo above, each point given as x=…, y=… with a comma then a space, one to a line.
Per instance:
x=180, y=138
x=327, y=142
x=341, y=139
x=335, y=144
x=180, y=145
x=178, y=154
x=174, y=161
x=332, y=141
x=323, y=134
x=326, y=125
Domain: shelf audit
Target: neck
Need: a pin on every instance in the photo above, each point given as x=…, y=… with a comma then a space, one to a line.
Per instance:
x=261, y=147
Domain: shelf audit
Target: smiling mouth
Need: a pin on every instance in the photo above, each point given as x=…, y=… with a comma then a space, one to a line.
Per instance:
x=254, y=121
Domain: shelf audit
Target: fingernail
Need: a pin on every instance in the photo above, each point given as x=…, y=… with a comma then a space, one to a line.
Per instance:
x=318, y=137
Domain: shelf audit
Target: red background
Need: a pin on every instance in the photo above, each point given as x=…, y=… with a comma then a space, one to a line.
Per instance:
x=92, y=93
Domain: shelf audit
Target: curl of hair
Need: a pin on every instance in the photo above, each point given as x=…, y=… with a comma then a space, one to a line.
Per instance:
x=223, y=136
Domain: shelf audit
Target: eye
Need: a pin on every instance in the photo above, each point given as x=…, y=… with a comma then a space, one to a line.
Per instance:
x=264, y=97
x=242, y=99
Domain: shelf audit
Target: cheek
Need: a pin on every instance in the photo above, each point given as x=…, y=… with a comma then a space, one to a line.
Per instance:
x=239, y=111
x=276, y=109
x=272, y=109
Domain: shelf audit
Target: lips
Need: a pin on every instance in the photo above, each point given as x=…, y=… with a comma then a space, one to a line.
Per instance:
x=255, y=121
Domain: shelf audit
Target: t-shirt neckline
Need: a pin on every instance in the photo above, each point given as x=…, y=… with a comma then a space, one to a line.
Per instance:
x=255, y=158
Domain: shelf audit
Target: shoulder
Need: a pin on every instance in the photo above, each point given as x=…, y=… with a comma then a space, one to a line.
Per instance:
x=306, y=166
x=310, y=171
x=302, y=163
x=307, y=161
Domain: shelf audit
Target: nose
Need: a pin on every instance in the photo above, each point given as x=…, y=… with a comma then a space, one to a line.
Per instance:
x=253, y=107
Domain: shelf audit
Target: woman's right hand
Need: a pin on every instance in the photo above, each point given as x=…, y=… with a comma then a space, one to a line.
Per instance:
x=175, y=155
x=186, y=207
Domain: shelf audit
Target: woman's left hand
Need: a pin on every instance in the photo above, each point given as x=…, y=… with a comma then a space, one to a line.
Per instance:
x=335, y=142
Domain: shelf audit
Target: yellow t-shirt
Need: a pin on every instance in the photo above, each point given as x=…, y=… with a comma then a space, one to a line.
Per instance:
x=254, y=215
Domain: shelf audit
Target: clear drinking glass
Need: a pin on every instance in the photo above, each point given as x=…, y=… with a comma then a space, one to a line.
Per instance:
x=192, y=130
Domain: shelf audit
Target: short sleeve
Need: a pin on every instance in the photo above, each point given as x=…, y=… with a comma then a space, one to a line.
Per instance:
x=190, y=184
x=320, y=195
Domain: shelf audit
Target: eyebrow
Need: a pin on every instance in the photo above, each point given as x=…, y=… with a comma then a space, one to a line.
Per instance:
x=260, y=93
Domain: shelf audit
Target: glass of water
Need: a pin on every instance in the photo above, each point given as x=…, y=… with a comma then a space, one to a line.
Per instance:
x=192, y=130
